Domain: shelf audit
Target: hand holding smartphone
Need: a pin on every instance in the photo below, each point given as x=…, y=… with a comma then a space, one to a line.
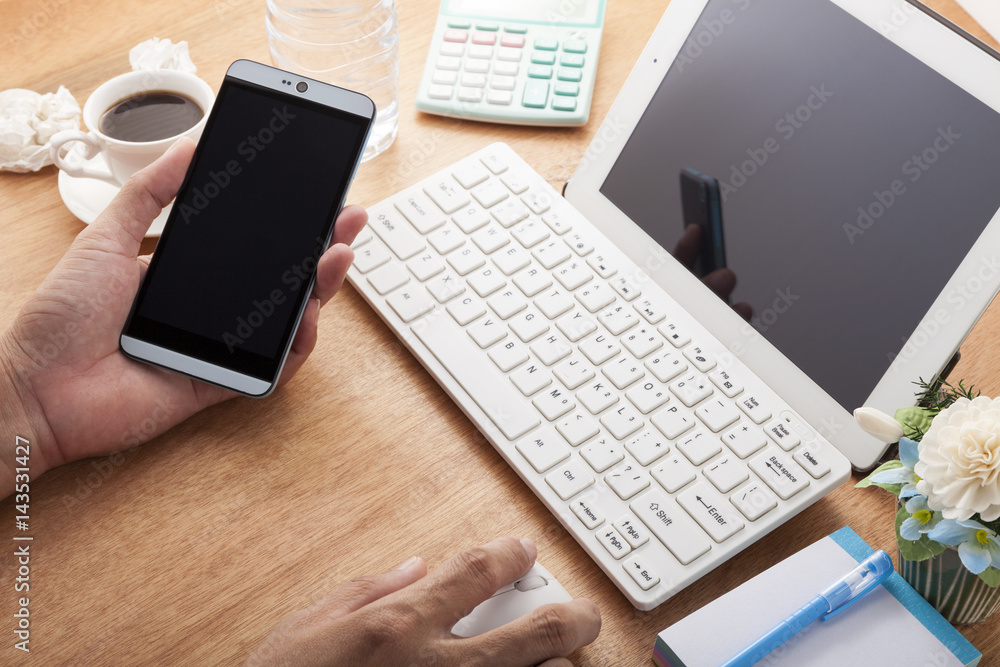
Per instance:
x=230, y=277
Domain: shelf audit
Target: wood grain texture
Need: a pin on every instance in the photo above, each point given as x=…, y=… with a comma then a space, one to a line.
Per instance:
x=187, y=550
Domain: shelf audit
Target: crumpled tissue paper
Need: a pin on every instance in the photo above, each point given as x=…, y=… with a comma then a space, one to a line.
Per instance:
x=159, y=53
x=27, y=122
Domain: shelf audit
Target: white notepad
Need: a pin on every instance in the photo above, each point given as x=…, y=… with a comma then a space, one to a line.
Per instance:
x=891, y=626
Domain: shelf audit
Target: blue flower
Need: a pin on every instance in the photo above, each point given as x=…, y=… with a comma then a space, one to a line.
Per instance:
x=978, y=546
x=922, y=519
x=904, y=475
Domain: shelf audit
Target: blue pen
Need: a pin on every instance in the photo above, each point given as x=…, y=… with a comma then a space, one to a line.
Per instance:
x=835, y=599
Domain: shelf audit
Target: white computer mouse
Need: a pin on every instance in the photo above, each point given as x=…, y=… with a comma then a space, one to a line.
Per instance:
x=513, y=601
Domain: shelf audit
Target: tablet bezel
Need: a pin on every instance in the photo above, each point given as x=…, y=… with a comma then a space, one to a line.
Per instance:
x=931, y=39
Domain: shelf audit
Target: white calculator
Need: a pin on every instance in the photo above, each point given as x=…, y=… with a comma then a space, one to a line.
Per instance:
x=524, y=62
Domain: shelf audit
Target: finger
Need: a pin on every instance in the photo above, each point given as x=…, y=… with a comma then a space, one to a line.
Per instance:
x=744, y=310
x=127, y=218
x=721, y=281
x=350, y=222
x=688, y=246
x=551, y=631
x=304, y=342
x=331, y=272
x=367, y=589
x=472, y=576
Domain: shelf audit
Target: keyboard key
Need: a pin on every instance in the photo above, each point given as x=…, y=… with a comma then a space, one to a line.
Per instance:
x=476, y=375
x=490, y=194
x=725, y=383
x=470, y=173
x=700, y=359
x=445, y=287
x=363, y=237
x=551, y=254
x=650, y=311
x=647, y=447
x=410, y=304
x=557, y=222
x=627, y=480
x=577, y=428
x=466, y=310
x=536, y=94
x=602, y=454
x=623, y=421
x=553, y=403
x=673, y=421
x=779, y=432
x=508, y=355
x=699, y=447
x=493, y=161
x=754, y=501
x=531, y=281
x=599, y=348
x=666, y=365
x=626, y=288
x=744, y=439
x=671, y=526
x=579, y=243
x=574, y=275
x=554, y=303
x=726, y=473
x=528, y=325
x=576, y=326
x=674, y=334
x=717, y=414
x=530, y=233
x=596, y=296
x=396, y=233
x=511, y=259
x=604, y=268
x=691, y=390
x=753, y=408
x=539, y=201
x=642, y=342
x=569, y=480
x=490, y=238
x=597, y=397
x=466, y=260
x=446, y=239
x=642, y=574
x=779, y=472
x=487, y=281
x=387, y=278
x=674, y=473
x=487, y=331
x=711, y=511
x=633, y=531
x=614, y=543
x=471, y=218
x=587, y=511
x=623, y=371
x=422, y=214
x=812, y=461
x=448, y=195
x=551, y=349
x=510, y=213
x=647, y=396
x=618, y=319
x=425, y=267
x=371, y=256
x=543, y=449
x=507, y=304
x=530, y=380
x=574, y=372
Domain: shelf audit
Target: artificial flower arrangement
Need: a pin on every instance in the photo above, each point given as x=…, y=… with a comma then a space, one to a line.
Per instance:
x=947, y=477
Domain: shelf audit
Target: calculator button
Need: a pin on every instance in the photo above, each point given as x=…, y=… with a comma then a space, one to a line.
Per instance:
x=505, y=68
x=516, y=41
x=540, y=72
x=439, y=92
x=470, y=94
x=477, y=66
x=565, y=88
x=569, y=74
x=536, y=94
x=508, y=54
x=564, y=103
x=484, y=38
x=445, y=77
x=460, y=36
x=464, y=25
x=491, y=27
x=543, y=58
x=546, y=43
x=499, y=82
x=516, y=29
x=474, y=80
x=571, y=60
x=480, y=51
x=450, y=49
x=503, y=97
x=449, y=63
x=575, y=46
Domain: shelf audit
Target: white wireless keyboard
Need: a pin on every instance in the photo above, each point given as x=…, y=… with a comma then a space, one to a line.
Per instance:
x=661, y=453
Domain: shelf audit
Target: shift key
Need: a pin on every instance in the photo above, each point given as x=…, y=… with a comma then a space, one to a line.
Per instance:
x=672, y=526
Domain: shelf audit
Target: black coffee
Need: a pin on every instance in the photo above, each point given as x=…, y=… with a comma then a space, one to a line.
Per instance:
x=150, y=117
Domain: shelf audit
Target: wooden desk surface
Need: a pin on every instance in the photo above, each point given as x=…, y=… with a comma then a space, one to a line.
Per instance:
x=194, y=545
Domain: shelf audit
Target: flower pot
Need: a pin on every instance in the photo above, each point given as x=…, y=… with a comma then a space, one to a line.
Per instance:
x=958, y=595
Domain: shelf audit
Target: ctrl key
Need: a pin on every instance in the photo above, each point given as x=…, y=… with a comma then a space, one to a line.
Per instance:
x=640, y=573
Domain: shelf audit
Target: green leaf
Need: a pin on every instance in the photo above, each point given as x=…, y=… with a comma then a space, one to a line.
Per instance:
x=991, y=577
x=922, y=549
x=916, y=421
x=894, y=489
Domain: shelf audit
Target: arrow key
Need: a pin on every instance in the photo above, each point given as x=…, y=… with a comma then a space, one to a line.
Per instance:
x=614, y=543
x=640, y=572
x=711, y=511
x=633, y=531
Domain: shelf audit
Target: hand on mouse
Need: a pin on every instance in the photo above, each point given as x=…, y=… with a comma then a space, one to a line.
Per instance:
x=405, y=616
x=65, y=384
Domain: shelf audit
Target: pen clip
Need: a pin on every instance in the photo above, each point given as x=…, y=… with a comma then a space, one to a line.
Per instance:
x=876, y=569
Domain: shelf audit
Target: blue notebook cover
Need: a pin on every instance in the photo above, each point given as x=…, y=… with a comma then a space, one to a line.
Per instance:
x=892, y=626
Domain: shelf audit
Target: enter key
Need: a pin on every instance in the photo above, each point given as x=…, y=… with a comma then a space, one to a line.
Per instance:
x=711, y=511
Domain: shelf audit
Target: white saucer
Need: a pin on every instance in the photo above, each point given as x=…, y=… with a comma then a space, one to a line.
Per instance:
x=86, y=197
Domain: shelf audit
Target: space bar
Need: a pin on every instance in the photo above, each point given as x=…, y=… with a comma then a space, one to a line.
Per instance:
x=478, y=377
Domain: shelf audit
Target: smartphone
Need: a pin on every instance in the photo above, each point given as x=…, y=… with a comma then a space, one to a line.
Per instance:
x=229, y=280
x=702, y=206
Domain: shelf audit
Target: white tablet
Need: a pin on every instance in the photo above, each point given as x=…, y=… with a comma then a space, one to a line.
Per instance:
x=855, y=145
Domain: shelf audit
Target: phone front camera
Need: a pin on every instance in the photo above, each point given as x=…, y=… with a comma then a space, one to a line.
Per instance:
x=302, y=86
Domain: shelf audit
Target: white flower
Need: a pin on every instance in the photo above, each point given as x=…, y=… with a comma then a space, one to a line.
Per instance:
x=959, y=466
x=878, y=424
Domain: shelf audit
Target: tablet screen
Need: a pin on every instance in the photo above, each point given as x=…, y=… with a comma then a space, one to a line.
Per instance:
x=852, y=178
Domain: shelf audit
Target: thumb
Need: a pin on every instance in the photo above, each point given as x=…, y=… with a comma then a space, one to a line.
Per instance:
x=132, y=211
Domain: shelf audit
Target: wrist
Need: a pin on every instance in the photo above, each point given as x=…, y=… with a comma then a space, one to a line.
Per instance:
x=22, y=418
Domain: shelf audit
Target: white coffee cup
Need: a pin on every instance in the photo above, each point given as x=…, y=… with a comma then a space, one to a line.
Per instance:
x=124, y=158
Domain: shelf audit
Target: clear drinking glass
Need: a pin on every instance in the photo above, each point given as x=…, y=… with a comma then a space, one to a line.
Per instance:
x=353, y=44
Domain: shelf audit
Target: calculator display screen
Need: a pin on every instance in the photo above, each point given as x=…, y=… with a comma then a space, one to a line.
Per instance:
x=853, y=180
x=554, y=12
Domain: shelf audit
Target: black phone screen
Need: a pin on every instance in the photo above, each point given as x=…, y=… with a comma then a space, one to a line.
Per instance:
x=252, y=218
